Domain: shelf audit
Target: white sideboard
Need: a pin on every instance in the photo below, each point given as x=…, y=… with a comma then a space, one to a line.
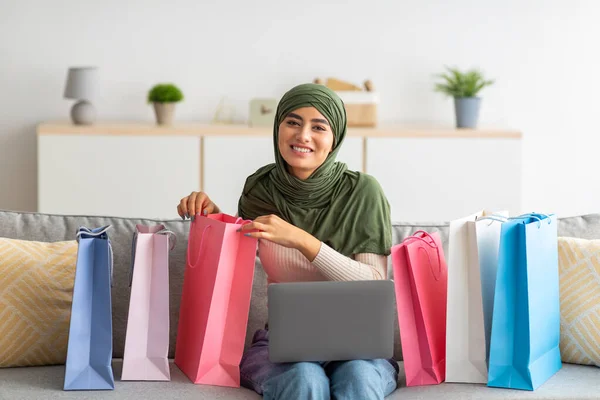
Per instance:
x=142, y=170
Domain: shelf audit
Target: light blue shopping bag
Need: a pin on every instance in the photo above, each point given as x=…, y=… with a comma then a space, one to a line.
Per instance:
x=89, y=352
x=524, y=349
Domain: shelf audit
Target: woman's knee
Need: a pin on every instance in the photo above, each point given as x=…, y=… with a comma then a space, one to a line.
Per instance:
x=363, y=379
x=301, y=381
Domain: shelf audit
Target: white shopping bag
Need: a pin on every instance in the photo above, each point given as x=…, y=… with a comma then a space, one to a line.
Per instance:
x=487, y=231
x=472, y=257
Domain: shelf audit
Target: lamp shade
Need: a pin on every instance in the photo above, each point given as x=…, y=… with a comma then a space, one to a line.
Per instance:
x=81, y=83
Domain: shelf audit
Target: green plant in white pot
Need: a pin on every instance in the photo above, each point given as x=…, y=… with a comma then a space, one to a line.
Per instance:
x=463, y=87
x=164, y=96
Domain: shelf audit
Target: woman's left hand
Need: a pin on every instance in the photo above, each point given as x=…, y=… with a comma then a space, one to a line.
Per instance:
x=276, y=230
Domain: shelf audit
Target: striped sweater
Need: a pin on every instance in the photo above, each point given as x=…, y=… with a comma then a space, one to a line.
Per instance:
x=282, y=264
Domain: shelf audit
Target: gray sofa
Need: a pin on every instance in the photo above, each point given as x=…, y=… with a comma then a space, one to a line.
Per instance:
x=572, y=382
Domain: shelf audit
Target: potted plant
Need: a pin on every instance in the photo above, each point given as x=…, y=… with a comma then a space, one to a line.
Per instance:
x=463, y=87
x=163, y=97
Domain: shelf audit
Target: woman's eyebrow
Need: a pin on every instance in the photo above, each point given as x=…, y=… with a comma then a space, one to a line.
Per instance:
x=319, y=120
x=295, y=116
x=322, y=121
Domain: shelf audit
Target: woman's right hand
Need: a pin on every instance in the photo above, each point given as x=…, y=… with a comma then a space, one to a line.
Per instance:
x=196, y=203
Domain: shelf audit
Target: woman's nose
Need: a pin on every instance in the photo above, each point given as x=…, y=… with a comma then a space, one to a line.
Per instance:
x=304, y=133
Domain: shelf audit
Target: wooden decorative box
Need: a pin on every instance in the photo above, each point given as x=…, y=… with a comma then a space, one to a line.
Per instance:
x=361, y=103
x=361, y=108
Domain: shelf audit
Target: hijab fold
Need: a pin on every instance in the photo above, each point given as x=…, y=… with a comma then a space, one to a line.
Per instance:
x=345, y=209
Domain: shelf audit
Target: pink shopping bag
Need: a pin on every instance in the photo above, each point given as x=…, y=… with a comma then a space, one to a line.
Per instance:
x=147, y=337
x=215, y=302
x=420, y=281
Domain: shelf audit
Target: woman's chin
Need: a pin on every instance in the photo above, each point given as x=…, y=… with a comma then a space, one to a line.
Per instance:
x=299, y=169
x=297, y=162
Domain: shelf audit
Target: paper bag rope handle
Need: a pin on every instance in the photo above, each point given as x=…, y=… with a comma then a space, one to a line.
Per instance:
x=163, y=231
x=102, y=232
x=433, y=246
x=195, y=263
x=492, y=218
x=531, y=215
x=171, y=235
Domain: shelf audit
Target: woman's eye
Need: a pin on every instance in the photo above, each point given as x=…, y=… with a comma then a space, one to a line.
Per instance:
x=292, y=123
x=319, y=128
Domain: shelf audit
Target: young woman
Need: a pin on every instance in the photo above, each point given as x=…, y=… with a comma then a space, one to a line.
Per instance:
x=315, y=220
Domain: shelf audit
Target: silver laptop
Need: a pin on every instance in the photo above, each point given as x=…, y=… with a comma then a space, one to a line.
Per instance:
x=330, y=321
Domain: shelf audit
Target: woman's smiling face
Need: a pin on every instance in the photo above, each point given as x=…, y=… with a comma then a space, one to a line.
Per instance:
x=305, y=141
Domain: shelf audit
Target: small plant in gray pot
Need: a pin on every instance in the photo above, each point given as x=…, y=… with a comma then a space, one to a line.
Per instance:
x=164, y=96
x=463, y=87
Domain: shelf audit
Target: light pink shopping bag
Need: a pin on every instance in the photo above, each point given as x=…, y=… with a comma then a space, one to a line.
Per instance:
x=215, y=302
x=147, y=337
x=420, y=280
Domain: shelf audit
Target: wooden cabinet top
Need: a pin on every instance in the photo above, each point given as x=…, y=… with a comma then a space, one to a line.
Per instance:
x=203, y=129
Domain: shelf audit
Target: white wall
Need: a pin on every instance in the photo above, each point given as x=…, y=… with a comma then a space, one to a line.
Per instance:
x=542, y=53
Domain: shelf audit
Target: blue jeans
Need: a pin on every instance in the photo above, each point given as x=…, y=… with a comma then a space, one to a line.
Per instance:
x=356, y=379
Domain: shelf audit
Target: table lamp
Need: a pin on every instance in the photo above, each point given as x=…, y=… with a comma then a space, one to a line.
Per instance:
x=81, y=85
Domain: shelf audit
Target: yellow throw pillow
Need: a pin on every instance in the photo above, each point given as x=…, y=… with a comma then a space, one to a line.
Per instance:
x=36, y=290
x=579, y=265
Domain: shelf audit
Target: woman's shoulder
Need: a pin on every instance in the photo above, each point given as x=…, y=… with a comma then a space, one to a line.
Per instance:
x=369, y=192
x=367, y=184
x=369, y=181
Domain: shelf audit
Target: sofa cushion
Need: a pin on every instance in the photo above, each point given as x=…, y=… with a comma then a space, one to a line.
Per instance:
x=36, y=281
x=579, y=265
x=583, y=227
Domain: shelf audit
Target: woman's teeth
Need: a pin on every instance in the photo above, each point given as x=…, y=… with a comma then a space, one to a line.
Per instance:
x=301, y=149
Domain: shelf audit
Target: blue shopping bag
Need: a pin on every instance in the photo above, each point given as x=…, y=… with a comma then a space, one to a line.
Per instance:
x=89, y=352
x=524, y=349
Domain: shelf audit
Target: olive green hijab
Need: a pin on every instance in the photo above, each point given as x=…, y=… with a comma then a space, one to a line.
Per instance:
x=345, y=209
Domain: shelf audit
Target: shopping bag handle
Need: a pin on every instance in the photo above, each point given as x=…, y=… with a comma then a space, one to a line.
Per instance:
x=535, y=216
x=425, y=233
x=492, y=218
x=172, y=237
x=85, y=231
x=100, y=234
x=242, y=221
x=163, y=231
x=432, y=245
x=195, y=263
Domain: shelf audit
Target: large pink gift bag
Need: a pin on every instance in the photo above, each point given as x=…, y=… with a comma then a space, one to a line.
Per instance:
x=420, y=281
x=215, y=302
x=147, y=337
